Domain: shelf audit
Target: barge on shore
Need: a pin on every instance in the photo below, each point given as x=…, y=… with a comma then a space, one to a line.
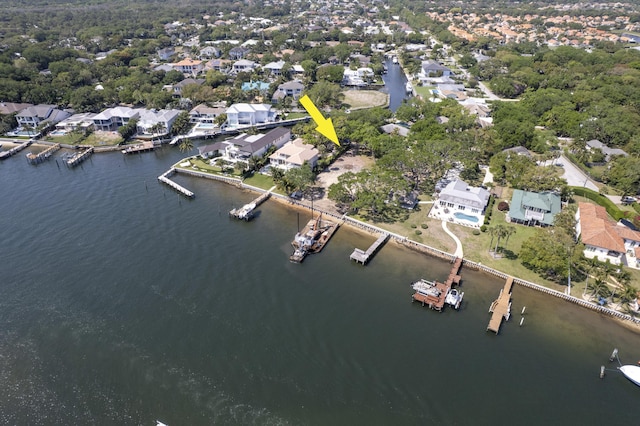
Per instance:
x=312, y=239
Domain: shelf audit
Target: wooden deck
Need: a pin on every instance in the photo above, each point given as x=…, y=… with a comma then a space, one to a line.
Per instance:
x=361, y=256
x=436, y=301
x=501, y=307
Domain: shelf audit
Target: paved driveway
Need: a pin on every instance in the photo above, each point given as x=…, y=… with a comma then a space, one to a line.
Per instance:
x=575, y=176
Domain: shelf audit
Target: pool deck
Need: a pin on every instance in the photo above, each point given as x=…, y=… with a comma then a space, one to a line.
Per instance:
x=437, y=212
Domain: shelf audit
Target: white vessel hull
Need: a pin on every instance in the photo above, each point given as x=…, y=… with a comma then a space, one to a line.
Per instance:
x=631, y=372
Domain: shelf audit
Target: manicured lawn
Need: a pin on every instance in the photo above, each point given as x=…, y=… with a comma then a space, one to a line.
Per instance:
x=260, y=181
x=424, y=91
x=292, y=115
x=68, y=139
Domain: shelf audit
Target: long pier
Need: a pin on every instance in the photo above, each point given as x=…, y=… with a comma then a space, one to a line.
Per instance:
x=14, y=150
x=42, y=156
x=140, y=147
x=79, y=157
x=164, y=178
x=501, y=307
x=361, y=256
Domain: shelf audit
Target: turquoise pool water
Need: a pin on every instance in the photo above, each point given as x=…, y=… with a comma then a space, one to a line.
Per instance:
x=462, y=216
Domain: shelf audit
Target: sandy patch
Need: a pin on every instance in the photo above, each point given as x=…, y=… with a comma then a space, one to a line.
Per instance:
x=365, y=98
x=346, y=163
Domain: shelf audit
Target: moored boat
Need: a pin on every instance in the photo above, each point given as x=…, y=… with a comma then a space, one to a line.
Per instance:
x=631, y=372
x=454, y=298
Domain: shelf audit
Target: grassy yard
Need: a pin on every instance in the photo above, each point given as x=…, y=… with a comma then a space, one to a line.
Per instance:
x=69, y=138
x=424, y=91
x=260, y=181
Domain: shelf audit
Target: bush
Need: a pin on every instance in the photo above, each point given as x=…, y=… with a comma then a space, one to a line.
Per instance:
x=503, y=206
x=600, y=199
x=476, y=232
x=424, y=226
x=483, y=228
x=413, y=225
x=418, y=232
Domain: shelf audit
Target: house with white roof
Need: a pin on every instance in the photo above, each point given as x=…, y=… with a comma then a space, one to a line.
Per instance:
x=243, y=65
x=274, y=68
x=358, y=77
x=293, y=155
x=205, y=114
x=110, y=119
x=604, y=239
x=156, y=122
x=460, y=203
x=243, y=114
x=82, y=121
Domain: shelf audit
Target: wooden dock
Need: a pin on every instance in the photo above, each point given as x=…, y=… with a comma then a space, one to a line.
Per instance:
x=436, y=294
x=140, y=147
x=164, y=178
x=501, y=307
x=79, y=157
x=246, y=212
x=361, y=256
x=6, y=154
x=42, y=156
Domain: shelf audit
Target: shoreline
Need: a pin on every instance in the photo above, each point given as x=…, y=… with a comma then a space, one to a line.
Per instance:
x=625, y=320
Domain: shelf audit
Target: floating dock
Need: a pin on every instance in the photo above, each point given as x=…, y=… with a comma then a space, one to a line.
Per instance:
x=42, y=156
x=361, y=256
x=6, y=154
x=140, y=147
x=164, y=178
x=312, y=239
x=246, y=212
x=79, y=157
x=435, y=294
x=501, y=307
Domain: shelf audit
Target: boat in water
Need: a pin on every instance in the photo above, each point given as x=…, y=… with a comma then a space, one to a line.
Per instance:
x=631, y=372
x=394, y=59
x=408, y=87
x=245, y=212
x=312, y=239
x=454, y=298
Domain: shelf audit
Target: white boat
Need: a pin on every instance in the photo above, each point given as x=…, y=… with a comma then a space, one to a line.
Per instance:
x=394, y=60
x=408, y=87
x=454, y=298
x=631, y=372
x=427, y=288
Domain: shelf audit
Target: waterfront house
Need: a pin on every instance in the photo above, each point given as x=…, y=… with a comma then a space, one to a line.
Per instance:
x=604, y=239
x=244, y=146
x=430, y=69
x=243, y=114
x=80, y=122
x=205, y=114
x=533, y=208
x=33, y=116
x=156, y=122
x=458, y=196
x=12, y=107
x=293, y=155
x=112, y=118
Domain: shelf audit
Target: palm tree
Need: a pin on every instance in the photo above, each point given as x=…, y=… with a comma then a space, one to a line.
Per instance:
x=509, y=230
x=628, y=294
x=501, y=231
x=185, y=145
x=492, y=232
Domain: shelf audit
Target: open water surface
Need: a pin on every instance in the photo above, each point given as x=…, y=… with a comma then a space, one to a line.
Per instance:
x=122, y=302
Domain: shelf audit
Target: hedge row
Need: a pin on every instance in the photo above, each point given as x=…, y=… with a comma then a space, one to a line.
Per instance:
x=601, y=200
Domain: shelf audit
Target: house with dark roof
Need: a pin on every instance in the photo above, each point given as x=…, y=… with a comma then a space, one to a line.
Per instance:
x=291, y=89
x=533, y=208
x=238, y=52
x=244, y=146
x=35, y=115
x=604, y=239
x=11, y=107
x=607, y=151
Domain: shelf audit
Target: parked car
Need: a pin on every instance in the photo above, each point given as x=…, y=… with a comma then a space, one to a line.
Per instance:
x=628, y=200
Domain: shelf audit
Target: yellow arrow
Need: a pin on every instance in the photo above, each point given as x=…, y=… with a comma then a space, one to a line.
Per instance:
x=325, y=125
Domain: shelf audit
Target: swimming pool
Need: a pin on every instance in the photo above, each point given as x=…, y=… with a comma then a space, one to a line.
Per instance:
x=462, y=216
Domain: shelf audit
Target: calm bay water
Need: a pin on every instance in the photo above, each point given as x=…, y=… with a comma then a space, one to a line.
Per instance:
x=122, y=303
x=395, y=85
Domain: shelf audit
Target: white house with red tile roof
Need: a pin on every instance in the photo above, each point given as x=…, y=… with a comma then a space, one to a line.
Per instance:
x=189, y=66
x=606, y=240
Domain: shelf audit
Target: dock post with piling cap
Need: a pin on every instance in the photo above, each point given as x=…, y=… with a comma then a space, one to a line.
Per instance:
x=602, y=371
x=614, y=355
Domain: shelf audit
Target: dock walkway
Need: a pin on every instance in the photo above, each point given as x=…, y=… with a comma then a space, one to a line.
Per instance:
x=246, y=212
x=437, y=296
x=140, y=147
x=501, y=307
x=14, y=150
x=361, y=256
x=42, y=156
x=164, y=178
x=79, y=157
